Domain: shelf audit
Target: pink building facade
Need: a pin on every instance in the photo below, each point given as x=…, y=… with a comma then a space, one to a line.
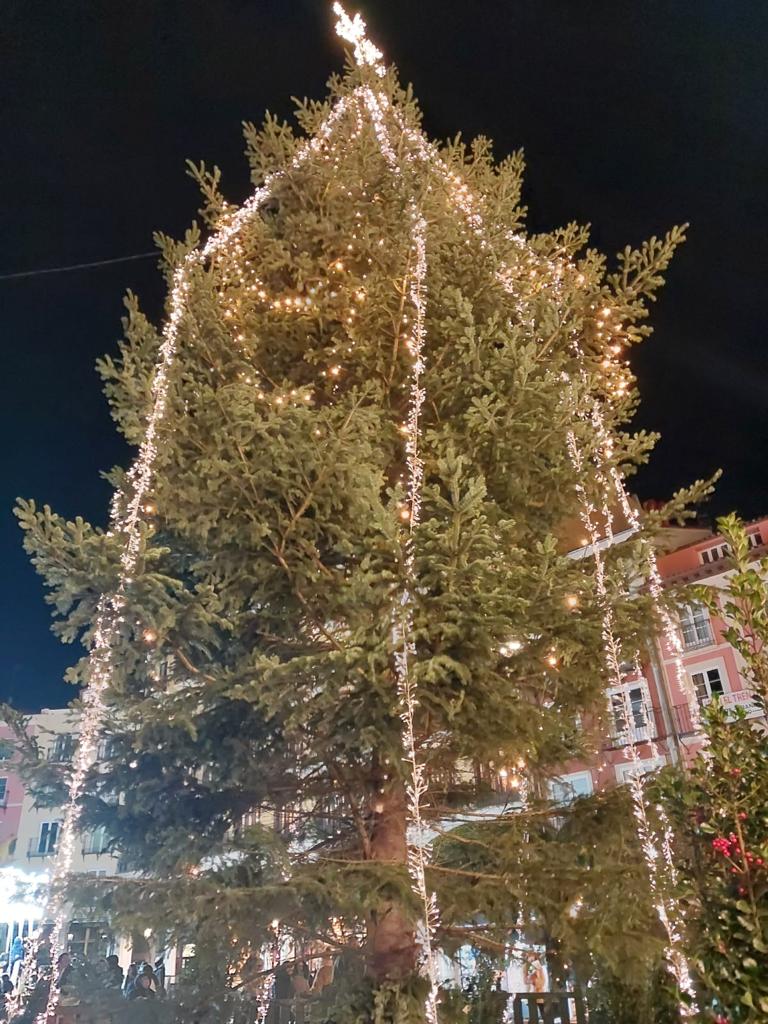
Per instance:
x=12, y=794
x=661, y=724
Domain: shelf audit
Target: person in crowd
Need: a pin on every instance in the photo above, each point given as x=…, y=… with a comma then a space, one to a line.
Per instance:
x=43, y=957
x=282, y=989
x=17, y=950
x=146, y=971
x=114, y=976
x=160, y=973
x=349, y=966
x=6, y=985
x=130, y=978
x=324, y=977
x=299, y=982
x=141, y=988
x=64, y=971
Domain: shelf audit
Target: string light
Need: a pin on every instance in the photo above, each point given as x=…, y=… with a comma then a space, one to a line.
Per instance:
x=405, y=648
x=130, y=502
x=127, y=506
x=612, y=653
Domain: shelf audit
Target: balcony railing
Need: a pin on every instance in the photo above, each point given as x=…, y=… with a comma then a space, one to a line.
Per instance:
x=693, y=643
x=682, y=720
x=97, y=846
x=741, y=699
x=61, y=753
x=41, y=848
x=641, y=729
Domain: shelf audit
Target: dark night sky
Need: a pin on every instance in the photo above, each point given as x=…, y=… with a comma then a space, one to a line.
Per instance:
x=634, y=114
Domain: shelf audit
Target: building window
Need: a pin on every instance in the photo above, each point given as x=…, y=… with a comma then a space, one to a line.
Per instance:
x=568, y=787
x=715, y=554
x=96, y=842
x=722, y=551
x=708, y=684
x=63, y=748
x=694, y=622
x=632, y=716
x=89, y=941
x=3, y=791
x=636, y=769
x=45, y=844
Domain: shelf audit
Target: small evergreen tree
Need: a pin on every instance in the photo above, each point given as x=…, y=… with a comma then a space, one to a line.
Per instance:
x=255, y=776
x=719, y=809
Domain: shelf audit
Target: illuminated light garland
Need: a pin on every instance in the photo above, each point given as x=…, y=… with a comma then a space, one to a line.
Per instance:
x=111, y=610
x=127, y=506
x=655, y=584
x=612, y=652
x=463, y=199
x=418, y=850
x=402, y=633
x=353, y=31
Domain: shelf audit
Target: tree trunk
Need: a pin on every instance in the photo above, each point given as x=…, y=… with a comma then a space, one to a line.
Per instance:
x=391, y=940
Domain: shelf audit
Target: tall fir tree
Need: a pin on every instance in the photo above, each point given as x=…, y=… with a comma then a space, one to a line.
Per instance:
x=303, y=529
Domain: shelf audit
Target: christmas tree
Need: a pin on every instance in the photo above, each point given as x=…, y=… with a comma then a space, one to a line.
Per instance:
x=334, y=610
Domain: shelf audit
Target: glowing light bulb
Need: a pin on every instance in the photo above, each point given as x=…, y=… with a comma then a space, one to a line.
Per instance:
x=571, y=600
x=149, y=636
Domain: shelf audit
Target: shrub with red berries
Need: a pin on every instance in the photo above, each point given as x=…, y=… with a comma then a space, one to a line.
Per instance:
x=719, y=811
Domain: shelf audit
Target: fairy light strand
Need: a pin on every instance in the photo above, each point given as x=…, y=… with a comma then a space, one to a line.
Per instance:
x=463, y=199
x=127, y=504
x=612, y=653
x=126, y=517
x=402, y=633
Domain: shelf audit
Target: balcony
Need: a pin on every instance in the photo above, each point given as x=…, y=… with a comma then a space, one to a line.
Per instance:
x=95, y=846
x=642, y=729
x=683, y=721
x=38, y=847
x=62, y=750
x=702, y=638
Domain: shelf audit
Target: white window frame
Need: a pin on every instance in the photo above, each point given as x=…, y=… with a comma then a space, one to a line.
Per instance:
x=718, y=552
x=696, y=626
x=627, y=769
x=95, y=841
x=702, y=670
x=44, y=846
x=570, y=781
x=637, y=732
